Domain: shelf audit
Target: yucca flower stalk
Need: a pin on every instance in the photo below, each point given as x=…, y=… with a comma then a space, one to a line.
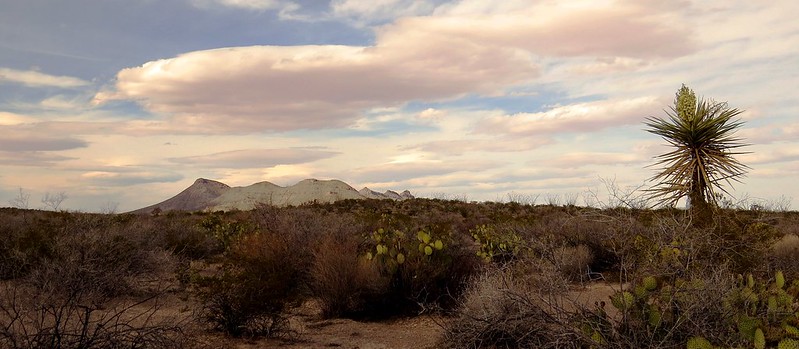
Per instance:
x=702, y=134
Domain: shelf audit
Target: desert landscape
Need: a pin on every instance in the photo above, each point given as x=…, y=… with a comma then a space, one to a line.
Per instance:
x=399, y=174
x=386, y=273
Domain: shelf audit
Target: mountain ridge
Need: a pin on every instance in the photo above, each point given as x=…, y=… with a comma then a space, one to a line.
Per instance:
x=210, y=195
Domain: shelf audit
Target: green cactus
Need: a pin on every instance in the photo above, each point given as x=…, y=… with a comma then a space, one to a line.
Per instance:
x=779, y=280
x=788, y=344
x=772, y=304
x=699, y=343
x=792, y=331
x=747, y=326
x=597, y=338
x=650, y=283
x=760, y=339
x=655, y=316
x=496, y=245
x=623, y=300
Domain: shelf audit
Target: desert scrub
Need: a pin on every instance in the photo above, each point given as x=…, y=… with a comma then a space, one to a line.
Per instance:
x=423, y=269
x=500, y=310
x=496, y=245
x=69, y=299
x=343, y=281
x=259, y=279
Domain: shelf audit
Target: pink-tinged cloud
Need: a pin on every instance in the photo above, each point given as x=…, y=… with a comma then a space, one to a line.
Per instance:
x=25, y=141
x=126, y=177
x=543, y=30
x=398, y=172
x=574, y=118
x=581, y=159
x=37, y=79
x=258, y=88
x=433, y=58
x=31, y=158
x=761, y=157
x=255, y=158
x=462, y=146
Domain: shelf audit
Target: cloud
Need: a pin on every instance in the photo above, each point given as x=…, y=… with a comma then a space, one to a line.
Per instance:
x=126, y=177
x=31, y=158
x=32, y=142
x=467, y=145
x=767, y=156
x=259, y=5
x=574, y=118
x=596, y=29
x=432, y=58
x=36, y=79
x=374, y=11
x=581, y=159
x=402, y=171
x=255, y=158
x=303, y=87
x=11, y=119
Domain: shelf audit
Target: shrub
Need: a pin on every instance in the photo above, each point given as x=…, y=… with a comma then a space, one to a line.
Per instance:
x=785, y=255
x=33, y=318
x=64, y=301
x=261, y=276
x=343, y=281
x=423, y=269
x=499, y=310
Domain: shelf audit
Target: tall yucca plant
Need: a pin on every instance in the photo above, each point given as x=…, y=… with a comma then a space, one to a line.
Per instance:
x=703, y=136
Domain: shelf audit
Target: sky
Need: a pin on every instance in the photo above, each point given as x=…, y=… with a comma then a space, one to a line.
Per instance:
x=120, y=104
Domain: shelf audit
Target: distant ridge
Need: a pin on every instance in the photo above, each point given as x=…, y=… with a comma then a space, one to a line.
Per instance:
x=210, y=195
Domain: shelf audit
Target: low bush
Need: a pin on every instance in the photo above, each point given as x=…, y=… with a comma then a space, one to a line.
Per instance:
x=67, y=299
x=34, y=318
x=499, y=310
x=344, y=282
x=785, y=255
x=261, y=276
x=424, y=270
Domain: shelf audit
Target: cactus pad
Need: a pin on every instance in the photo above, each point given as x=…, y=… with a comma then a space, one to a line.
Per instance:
x=623, y=300
x=788, y=344
x=649, y=283
x=699, y=343
x=760, y=339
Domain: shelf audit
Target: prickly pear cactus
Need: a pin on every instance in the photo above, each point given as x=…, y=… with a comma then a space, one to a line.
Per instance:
x=760, y=339
x=788, y=343
x=779, y=280
x=765, y=312
x=623, y=300
x=426, y=243
x=388, y=249
x=496, y=245
x=699, y=343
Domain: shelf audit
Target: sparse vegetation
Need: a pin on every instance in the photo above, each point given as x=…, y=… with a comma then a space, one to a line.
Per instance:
x=502, y=275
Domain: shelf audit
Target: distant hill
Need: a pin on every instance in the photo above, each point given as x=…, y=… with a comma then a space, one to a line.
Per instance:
x=206, y=194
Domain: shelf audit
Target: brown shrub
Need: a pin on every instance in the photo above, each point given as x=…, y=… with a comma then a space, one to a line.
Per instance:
x=343, y=281
x=573, y=261
x=785, y=255
x=262, y=275
x=499, y=310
